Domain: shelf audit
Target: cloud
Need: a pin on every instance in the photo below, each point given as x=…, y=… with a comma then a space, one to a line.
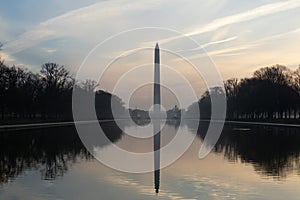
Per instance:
x=74, y=33
x=214, y=42
x=238, y=50
x=6, y=57
x=254, y=44
x=75, y=22
x=4, y=35
x=49, y=29
x=209, y=44
x=28, y=39
x=47, y=50
x=248, y=15
x=219, y=41
x=66, y=24
x=233, y=49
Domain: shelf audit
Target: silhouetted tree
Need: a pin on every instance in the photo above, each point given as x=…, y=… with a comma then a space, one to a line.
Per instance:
x=272, y=92
x=57, y=87
x=105, y=102
x=231, y=88
x=296, y=81
x=204, y=104
x=89, y=85
x=3, y=87
x=47, y=95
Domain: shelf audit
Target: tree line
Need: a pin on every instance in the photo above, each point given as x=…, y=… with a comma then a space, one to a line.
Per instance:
x=271, y=93
x=47, y=94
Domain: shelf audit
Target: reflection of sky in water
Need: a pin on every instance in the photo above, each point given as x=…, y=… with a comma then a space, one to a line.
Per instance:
x=188, y=178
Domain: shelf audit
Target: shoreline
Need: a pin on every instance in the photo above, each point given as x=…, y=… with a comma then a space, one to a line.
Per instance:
x=7, y=127
x=26, y=124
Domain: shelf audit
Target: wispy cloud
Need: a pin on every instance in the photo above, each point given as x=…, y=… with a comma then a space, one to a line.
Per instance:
x=233, y=49
x=228, y=51
x=6, y=57
x=47, y=50
x=219, y=41
x=74, y=33
x=28, y=39
x=236, y=50
x=73, y=23
x=214, y=43
x=210, y=44
x=4, y=33
x=248, y=15
x=54, y=27
x=241, y=48
x=44, y=30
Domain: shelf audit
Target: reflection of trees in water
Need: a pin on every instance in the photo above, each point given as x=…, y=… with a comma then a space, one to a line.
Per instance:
x=49, y=150
x=174, y=122
x=273, y=151
x=52, y=150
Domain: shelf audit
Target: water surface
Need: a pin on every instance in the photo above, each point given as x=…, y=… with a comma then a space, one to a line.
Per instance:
x=248, y=162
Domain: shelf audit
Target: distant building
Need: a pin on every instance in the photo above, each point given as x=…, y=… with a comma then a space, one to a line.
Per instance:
x=139, y=114
x=174, y=113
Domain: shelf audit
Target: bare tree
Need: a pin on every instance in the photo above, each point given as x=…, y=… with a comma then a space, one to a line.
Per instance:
x=55, y=75
x=57, y=82
x=89, y=85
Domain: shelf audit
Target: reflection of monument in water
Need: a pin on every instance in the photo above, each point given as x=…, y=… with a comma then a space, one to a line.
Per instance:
x=156, y=121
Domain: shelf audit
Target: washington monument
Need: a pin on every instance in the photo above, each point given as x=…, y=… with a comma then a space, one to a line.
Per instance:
x=156, y=122
x=156, y=79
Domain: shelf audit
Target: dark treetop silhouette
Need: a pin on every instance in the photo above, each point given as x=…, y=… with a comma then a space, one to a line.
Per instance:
x=271, y=93
x=46, y=95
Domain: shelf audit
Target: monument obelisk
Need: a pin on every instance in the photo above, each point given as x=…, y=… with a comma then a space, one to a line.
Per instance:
x=156, y=121
x=156, y=79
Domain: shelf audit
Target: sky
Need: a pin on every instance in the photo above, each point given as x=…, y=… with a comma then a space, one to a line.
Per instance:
x=238, y=36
